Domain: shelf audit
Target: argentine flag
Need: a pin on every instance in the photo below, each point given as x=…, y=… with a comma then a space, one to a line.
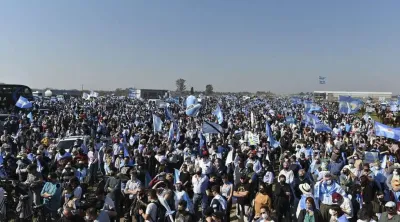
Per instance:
x=23, y=103
x=349, y=105
x=157, y=123
x=218, y=114
x=272, y=141
x=386, y=131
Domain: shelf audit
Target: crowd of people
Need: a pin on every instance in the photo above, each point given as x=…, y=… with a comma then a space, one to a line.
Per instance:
x=267, y=164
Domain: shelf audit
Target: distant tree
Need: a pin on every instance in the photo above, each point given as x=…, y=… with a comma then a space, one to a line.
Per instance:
x=259, y=93
x=209, y=89
x=121, y=92
x=180, y=85
x=269, y=94
x=302, y=94
x=191, y=91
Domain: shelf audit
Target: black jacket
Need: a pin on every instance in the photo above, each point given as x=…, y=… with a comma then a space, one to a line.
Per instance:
x=317, y=216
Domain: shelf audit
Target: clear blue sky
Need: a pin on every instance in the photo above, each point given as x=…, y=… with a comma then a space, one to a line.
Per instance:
x=281, y=46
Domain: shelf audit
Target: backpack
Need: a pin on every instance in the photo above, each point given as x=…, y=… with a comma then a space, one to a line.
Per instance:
x=161, y=211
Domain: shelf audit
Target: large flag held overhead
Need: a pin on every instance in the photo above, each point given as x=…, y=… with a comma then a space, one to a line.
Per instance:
x=270, y=136
x=349, y=105
x=309, y=107
x=168, y=114
x=172, y=129
x=193, y=110
x=320, y=127
x=172, y=100
x=157, y=123
x=23, y=103
x=296, y=100
x=311, y=120
x=212, y=128
x=191, y=100
x=192, y=106
x=387, y=131
x=218, y=113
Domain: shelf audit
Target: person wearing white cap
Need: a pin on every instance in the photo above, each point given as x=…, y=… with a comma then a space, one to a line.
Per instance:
x=390, y=214
x=306, y=192
x=181, y=194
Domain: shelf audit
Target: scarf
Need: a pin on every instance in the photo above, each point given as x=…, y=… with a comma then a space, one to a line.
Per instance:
x=359, y=199
x=323, y=189
x=221, y=200
x=182, y=195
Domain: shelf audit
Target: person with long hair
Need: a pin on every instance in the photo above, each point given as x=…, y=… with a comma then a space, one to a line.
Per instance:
x=310, y=213
x=227, y=192
x=265, y=215
x=262, y=199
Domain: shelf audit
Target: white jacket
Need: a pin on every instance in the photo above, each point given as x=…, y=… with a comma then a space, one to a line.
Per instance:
x=347, y=207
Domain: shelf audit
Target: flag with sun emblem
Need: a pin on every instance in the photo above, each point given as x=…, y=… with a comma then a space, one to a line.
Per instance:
x=387, y=131
x=349, y=105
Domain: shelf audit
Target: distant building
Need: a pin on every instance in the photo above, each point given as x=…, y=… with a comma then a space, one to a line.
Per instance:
x=149, y=93
x=334, y=95
x=56, y=92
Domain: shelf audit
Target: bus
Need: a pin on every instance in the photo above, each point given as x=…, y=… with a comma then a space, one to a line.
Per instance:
x=10, y=93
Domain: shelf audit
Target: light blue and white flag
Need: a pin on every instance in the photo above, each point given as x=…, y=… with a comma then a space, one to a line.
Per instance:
x=39, y=167
x=311, y=120
x=296, y=100
x=23, y=103
x=191, y=100
x=290, y=120
x=367, y=117
x=172, y=129
x=320, y=127
x=310, y=106
x=212, y=128
x=349, y=105
x=218, y=113
x=168, y=114
x=270, y=136
x=176, y=175
x=193, y=110
x=157, y=123
x=387, y=131
x=30, y=117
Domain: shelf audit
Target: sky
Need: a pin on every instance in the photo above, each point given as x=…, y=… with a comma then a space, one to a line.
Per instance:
x=258, y=45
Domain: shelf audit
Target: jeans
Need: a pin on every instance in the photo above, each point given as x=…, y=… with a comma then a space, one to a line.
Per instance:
x=241, y=211
x=197, y=199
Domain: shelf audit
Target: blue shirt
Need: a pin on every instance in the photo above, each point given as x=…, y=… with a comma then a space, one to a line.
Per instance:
x=55, y=201
x=307, y=151
x=336, y=167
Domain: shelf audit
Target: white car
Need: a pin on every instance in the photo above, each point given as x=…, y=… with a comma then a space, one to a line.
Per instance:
x=67, y=143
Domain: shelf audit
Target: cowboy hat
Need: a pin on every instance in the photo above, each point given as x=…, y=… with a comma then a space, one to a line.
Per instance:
x=305, y=188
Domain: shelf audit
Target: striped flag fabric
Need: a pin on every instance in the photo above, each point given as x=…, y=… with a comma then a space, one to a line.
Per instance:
x=212, y=128
x=386, y=131
x=157, y=123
